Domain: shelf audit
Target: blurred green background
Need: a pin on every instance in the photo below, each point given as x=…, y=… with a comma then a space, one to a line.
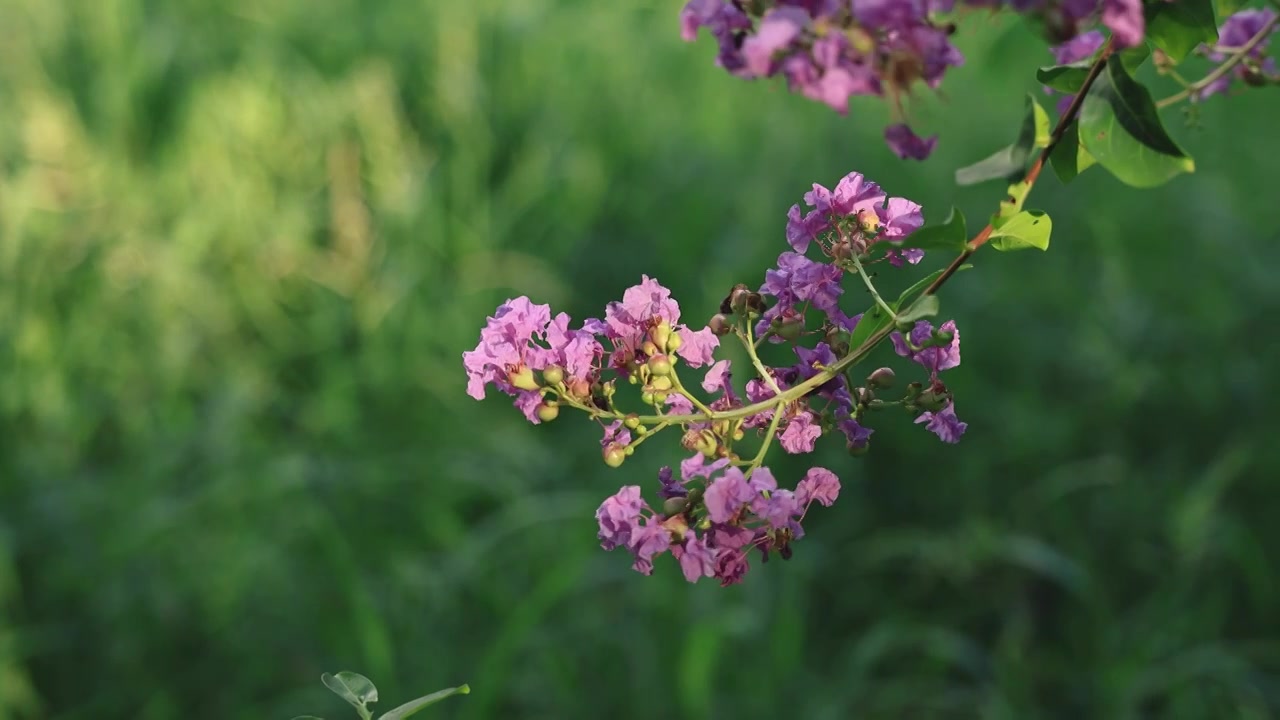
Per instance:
x=243, y=244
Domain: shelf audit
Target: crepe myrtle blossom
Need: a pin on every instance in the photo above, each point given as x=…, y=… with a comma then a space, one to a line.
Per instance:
x=712, y=530
x=833, y=50
x=723, y=503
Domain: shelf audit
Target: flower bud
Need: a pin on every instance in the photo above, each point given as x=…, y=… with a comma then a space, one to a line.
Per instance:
x=522, y=378
x=660, y=366
x=755, y=304
x=674, y=343
x=942, y=337
x=932, y=400
x=881, y=378
x=674, y=506
x=549, y=410
x=647, y=397
x=649, y=348
x=631, y=422
x=579, y=388
x=863, y=395
x=787, y=328
x=660, y=384
x=720, y=324
x=553, y=375
x=913, y=390
x=614, y=456
x=659, y=334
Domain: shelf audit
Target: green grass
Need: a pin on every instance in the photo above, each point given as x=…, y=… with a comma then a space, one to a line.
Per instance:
x=243, y=245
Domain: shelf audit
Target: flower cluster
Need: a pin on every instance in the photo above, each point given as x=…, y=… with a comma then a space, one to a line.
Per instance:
x=832, y=50
x=726, y=503
x=713, y=518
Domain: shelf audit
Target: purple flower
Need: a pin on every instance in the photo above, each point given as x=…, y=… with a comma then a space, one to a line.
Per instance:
x=719, y=379
x=504, y=342
x=1078, y=48
x=616, y=434
x=640, y=305
x=1124, y=17
x=804, y=229
x=906, y=144
x=671, y=487
x=697, y=560
x=800, y=434
x=944, y=424
x=853, y=193
x=619, y=516
x=698, y=467
x=856, y=435
x=647, y=542
x=727, y=495
x=933, y=359
x=698, y=347
x=818, y=484
x=778, y=29
x=778, y=509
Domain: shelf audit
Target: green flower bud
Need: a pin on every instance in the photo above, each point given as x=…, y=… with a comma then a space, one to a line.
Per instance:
x=659, y=384
x=549, y=410
x=942, y=337
x=631, y=422
x=553, y=375
x=660, y=365
x=913, y=390
x=646, y=397
x=674, y=343
x=788, y=329
x=674, y=506
x=614, y=456
x=932, y=400
x=658, y=335
x=649, y=348
x=881, y=378
x=522, y=378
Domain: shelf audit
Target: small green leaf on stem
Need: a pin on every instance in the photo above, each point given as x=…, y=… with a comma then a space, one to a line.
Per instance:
x=1120, y=127
x=352, y=687
x=1016, y=195
x=1027, y=229
x=414, y=706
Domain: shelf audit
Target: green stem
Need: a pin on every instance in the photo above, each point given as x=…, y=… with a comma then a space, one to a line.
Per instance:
x=758, y=460
x=679, y=387
x=857, y=264
x=750, y=345
x=1235, y=59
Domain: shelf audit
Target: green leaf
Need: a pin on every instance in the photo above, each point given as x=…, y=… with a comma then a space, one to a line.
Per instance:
x=1017, y=194
x=352, y=687
x=1070, y=78
x=926, y=306
x=1177, y=28
x=414, y=706
x=1027, y=229
x=1069, y=158
x=1120, y=127
x=1010, y=163
x=874, y=319
x=950, y=235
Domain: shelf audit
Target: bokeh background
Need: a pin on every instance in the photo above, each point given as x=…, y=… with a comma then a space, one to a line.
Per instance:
x=243, y=244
